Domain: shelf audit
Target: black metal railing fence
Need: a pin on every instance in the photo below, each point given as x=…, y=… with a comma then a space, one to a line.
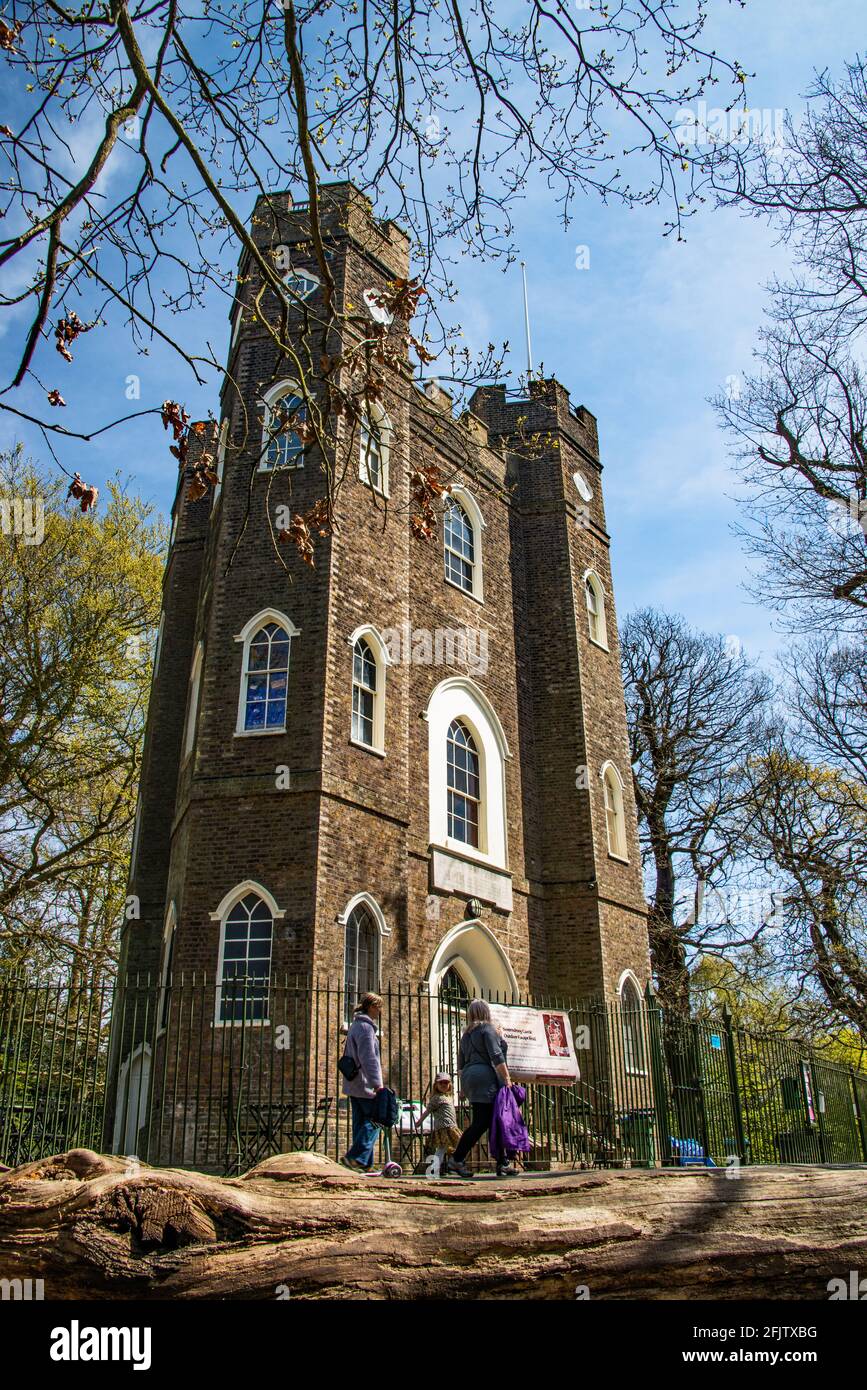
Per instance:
x=218, y=1077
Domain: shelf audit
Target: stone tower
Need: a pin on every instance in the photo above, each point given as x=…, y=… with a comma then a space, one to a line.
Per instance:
x=413, y=756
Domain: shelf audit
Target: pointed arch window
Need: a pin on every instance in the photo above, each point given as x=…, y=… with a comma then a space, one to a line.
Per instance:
x=615, y=819
x=245, y=961
x=463, y=525
x=265, y=673
x=193, y=700
x=464, y=785
x=594, y=596
x=168, y=965
x=460, y=546
x=363, y=693
x=284, y=427
x=631, y=1025
x=369, y=662
x=221, y=458
x=361, y=956
x=374, y=448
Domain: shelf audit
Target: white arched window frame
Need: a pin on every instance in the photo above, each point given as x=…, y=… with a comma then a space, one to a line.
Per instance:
x=158, y=648
x=459, y=698
x=594, y=598
x=136, y=831
x=632, y=1023
x=362, y=911
x=283, y=449
x=221, y=457
x=193, y=700
x=247, y=636
x=249, y=952
x=361, y=689
x=133, y=1095
x=615, y=814
x=236, y=324
x=463, y=570
x=374, y=448
x=166, y=965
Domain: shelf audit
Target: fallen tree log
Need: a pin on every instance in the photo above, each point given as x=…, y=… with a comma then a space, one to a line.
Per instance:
x=300, y=1226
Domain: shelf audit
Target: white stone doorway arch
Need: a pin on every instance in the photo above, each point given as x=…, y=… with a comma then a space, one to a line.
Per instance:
x=469, y=963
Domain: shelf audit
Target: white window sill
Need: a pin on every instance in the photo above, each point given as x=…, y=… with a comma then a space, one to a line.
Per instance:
x=367, y=747
x=620, y=858
x=258, y=733
x=280, y=467
x=603, y=646
x=467, y=593
x=382, y=492
x=466, y=851
x=242, y=1023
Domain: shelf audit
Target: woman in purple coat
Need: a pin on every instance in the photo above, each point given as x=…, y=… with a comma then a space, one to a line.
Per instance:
x=362, y=1045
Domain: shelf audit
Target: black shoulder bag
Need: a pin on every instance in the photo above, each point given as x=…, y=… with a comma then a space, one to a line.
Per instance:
x=347, y=1065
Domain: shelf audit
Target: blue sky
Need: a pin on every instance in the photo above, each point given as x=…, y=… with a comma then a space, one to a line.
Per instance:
x=641, y=338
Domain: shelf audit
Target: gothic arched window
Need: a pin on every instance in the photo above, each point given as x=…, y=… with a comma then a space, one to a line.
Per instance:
x=361, y=956
x=463, y=782
x=264, y=673
x=595, y=598
x=193, y=700
x=460, y=548
x=245, y=960
x=363, y=693
x=462, y=541
x=167, y=964
x=283, y=433
x=631, y=1021
x=375, y=447
x=369, y=661
x=615, y=819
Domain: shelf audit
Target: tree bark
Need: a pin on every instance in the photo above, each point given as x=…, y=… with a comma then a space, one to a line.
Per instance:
x=299, y=1226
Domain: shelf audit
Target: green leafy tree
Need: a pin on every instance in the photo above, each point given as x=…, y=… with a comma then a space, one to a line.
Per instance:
x=78, y=614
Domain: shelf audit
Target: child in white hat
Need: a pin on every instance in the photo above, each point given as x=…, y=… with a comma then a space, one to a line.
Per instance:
x=441, y=1108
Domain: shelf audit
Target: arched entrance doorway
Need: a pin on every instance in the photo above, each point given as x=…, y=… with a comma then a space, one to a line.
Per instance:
x=454, y=996
x=468, y=963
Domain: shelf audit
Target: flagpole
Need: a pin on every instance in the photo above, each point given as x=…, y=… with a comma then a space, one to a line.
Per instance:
x=527, y=321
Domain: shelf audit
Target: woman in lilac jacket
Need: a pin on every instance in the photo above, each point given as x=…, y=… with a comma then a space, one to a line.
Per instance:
x=362, y=1045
